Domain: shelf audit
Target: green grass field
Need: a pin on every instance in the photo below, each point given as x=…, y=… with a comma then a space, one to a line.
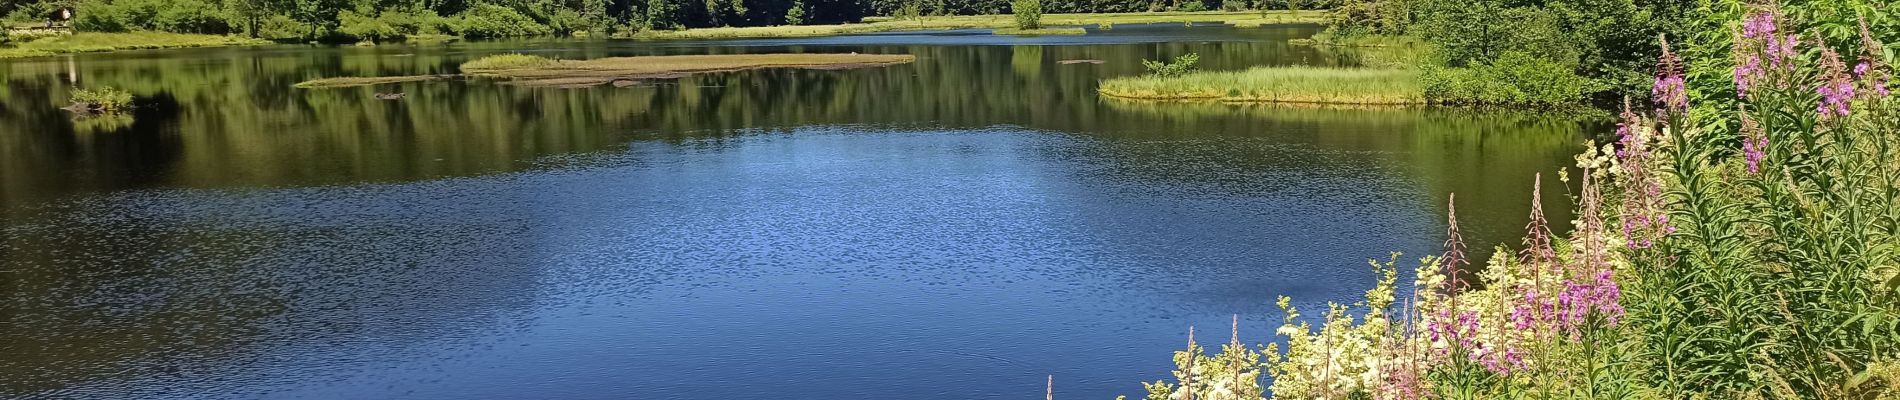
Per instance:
x=1348, y=86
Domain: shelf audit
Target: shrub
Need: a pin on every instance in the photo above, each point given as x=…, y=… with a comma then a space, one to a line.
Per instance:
x=361, y=27
x=1181, y=66
x=1028, y=13
x=181, y=16
x=796, y=14
x=1514, y=79
x=1192, y=6
x=283, y=28
x=565, y=22
x=492, y=21
x=103, y=99
x=910, y=10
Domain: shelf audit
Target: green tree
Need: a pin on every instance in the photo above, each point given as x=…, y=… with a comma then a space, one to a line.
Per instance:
x=796, y=14
x=660, y=14
x=1028, y=13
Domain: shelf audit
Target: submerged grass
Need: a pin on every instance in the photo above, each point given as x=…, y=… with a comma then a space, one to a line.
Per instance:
x=1041, y=32
x=886, y=24
x=1278, y=85
x=88, y=42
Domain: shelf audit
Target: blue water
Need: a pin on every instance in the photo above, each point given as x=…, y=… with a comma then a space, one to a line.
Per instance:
x=961, y=247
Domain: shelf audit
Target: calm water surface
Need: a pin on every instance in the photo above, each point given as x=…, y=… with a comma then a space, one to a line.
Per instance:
x=956, y=228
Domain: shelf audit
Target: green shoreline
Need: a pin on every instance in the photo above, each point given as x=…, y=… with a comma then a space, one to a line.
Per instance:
x=98, y=42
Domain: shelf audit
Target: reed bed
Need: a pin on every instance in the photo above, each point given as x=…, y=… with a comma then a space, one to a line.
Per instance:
x=1277, y=85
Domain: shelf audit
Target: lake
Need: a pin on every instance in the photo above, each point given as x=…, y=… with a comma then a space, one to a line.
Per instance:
x=957, y=228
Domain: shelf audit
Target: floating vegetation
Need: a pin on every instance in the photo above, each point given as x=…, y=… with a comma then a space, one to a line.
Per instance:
x=1040, y=31
x=538, y=71
x=1277, y=85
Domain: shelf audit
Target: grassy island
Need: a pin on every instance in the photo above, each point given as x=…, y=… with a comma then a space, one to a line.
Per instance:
x=1041, y=32
x=1277, y=85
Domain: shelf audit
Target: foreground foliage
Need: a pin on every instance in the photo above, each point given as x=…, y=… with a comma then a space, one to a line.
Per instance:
x=1746, y=246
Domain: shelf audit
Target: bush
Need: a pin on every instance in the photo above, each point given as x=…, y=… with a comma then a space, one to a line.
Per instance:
x=492, y=21
x=180, y=16
x=1028, y=13
x=104, y=99
x=362, y=27
x=565, y=22
x=1514, y=79
x=1192, y=6
x=1181, y=65
x=283, y=28
x=796, y=14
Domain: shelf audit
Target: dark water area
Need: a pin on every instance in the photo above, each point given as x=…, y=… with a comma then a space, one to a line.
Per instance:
x=956, y=228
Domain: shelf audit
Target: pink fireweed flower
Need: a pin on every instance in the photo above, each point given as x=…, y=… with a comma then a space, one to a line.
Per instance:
x=1781, y=52
x=1642, y=212
x=1669, y=90
x=1761, y=52
x=1748, y=73
x=1836, y=88
x=1871, y=71
x=1754, y=143
x=1759, y=24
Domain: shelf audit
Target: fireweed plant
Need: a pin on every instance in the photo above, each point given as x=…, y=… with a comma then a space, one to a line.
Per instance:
x=1747, y=251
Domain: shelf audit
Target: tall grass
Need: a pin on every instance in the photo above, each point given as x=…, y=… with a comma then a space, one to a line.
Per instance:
x=1277, y=84
x=506, y=61
x=87, y=42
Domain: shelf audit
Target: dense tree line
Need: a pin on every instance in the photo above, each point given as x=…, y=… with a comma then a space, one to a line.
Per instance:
x=1608, y=47
x=350, y=20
